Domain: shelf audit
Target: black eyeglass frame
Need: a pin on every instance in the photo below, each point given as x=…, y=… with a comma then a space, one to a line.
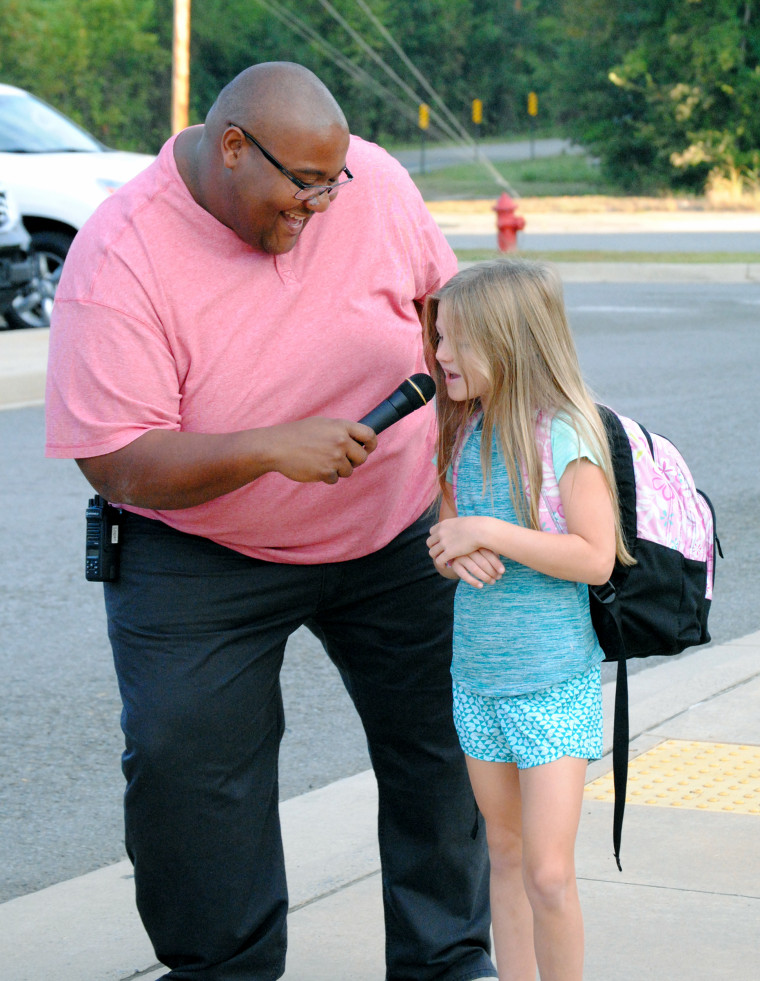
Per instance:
x=305, y=192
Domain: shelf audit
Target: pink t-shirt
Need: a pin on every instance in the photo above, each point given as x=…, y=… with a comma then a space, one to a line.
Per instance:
x=165, y=319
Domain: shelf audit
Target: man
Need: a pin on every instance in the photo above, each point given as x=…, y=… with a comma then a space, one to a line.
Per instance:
x=219, y=322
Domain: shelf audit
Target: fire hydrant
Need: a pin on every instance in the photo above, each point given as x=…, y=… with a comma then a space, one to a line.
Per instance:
x=508, y=224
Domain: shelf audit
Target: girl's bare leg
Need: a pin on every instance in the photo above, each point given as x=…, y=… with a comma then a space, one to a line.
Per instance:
x=497, y=791
x=552, y=796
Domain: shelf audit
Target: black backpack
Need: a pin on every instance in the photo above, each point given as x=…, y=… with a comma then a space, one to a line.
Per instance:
x=659, y=605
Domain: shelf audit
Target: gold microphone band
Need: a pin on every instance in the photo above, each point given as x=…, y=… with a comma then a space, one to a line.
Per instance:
x=424, y=400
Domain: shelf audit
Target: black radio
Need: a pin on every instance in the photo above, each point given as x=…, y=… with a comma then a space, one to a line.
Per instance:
x=101, y=562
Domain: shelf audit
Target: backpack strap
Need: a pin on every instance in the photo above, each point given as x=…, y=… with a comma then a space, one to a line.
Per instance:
x=620, y=451
x=625, y=478
x=605, y=613
x=622, y=467
x=551, y=515
x=620, y=738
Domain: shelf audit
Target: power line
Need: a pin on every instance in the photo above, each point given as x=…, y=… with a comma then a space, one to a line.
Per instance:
x=440, y=122
x=465, y=136
x=350, y=67
x=368, y=49
x=413, y=69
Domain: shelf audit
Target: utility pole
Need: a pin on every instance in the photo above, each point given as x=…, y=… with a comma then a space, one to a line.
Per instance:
x=181, y=65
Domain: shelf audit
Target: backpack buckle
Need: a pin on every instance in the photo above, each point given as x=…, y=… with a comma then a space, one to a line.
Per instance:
x=605, y=593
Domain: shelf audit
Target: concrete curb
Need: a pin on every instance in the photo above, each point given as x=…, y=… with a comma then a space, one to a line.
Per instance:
x=23, y=365
x=659, y=272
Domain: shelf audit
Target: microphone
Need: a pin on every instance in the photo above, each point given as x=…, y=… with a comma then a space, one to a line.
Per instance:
x=411, y=394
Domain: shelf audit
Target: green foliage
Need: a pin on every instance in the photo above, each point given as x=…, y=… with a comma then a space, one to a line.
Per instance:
x=492, y=50
x=98, y=61
x=663, y=92
x=671, y=89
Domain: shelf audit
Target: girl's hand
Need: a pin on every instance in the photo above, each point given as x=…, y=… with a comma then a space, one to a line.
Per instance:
x=456, y=544
x=453, y=537
x=479, y=568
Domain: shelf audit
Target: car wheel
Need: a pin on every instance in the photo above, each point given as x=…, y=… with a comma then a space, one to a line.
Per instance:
x=32, y=305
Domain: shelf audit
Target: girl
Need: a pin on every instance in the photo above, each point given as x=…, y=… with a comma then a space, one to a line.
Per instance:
x=526, y=664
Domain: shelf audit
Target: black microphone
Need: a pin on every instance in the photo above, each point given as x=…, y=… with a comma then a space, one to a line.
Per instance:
x=411, y=394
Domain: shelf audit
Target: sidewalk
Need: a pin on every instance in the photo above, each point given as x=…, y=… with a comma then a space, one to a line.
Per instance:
x=686, y=906
x=472, y=225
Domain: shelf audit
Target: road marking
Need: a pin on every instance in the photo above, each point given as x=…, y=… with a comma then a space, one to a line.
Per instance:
x=616, y=308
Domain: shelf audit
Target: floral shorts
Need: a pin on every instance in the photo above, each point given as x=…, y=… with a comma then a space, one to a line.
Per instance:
x=562, y=720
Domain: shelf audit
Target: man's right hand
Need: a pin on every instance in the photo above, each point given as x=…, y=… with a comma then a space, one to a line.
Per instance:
x=168, y=470
x=320, y=449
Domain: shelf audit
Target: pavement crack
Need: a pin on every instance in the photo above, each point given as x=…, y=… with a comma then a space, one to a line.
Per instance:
x=332, y=892
x=666, y=888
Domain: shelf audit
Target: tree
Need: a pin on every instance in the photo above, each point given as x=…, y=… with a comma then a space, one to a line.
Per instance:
x=701, y=81
x=98, y=61
x=664, y=91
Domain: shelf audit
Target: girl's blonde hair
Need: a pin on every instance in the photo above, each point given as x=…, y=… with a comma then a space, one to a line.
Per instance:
x=506, y=319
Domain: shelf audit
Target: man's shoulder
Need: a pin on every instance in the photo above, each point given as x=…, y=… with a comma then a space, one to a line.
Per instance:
x=372, y=155
x=111, y=213
x=120, y=228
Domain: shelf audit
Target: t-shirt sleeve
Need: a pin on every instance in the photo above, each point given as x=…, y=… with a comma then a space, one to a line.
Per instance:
x=567, y=446
x=110, y=379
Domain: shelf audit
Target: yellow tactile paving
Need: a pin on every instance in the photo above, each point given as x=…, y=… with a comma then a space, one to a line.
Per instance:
x=680, y=773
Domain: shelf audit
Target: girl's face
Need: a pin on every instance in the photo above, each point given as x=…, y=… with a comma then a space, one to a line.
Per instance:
x=464, y=379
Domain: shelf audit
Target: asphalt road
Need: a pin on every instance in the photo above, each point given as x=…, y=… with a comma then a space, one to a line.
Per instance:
x=681, y=359
x=436, y=157
x=592, y=241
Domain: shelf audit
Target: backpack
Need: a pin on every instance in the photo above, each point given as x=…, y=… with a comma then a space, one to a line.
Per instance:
x=659, y=605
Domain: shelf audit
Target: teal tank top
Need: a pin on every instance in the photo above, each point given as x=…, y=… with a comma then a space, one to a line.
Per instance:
x=528, y=630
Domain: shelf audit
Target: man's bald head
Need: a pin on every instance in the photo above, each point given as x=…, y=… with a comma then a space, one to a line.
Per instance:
x=276, y=95
x=297, y=119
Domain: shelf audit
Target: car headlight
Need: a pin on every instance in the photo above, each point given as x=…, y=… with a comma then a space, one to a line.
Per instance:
x=9, y=213
x=108, y=185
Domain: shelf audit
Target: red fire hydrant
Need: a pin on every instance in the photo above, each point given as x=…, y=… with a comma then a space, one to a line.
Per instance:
x=508, y=224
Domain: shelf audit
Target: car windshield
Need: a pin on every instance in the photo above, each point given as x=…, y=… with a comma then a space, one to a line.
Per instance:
x=30, y=126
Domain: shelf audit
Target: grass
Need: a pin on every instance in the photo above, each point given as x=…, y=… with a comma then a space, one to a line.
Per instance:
x=479, y=255
x=565, y=175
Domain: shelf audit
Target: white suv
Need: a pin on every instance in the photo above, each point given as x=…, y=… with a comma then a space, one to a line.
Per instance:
x=59, y=174
x=16, y=265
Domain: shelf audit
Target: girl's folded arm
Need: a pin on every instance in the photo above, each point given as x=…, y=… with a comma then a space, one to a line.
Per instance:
x=479, y=567
x=585, y=554
x=446, y=510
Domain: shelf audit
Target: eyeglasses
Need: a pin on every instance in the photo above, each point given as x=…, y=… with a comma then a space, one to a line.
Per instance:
x=305, y=192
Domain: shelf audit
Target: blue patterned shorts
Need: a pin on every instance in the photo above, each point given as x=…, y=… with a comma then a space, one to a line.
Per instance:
x=563, y=720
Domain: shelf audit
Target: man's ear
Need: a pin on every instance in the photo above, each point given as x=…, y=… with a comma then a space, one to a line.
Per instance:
x=232, y=146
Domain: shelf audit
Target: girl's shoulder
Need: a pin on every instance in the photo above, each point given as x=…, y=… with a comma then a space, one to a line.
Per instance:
x=563, y=441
